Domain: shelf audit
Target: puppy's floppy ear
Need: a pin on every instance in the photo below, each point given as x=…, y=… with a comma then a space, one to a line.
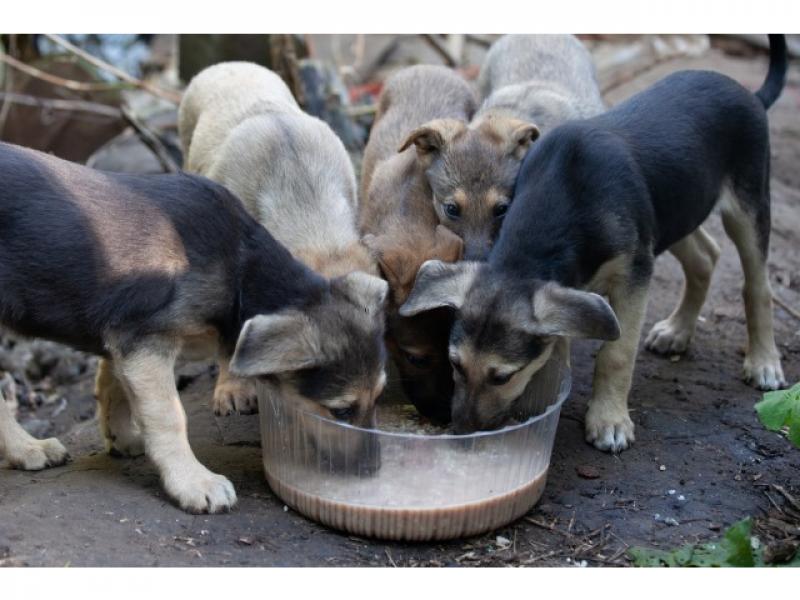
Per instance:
x=362, y=289
x=276, y=343
x=572, y=313
x=433, y=136
x=397, y=263
x=448, y=247
x=515, y=135
x=440, y=284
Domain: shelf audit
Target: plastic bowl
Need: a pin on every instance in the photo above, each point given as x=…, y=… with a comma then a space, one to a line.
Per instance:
x=408, y=486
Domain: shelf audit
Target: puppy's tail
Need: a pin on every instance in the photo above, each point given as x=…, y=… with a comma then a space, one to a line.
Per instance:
x=776, y=77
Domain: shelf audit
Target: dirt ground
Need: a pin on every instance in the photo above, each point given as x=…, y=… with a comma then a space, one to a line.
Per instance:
x=701, y=459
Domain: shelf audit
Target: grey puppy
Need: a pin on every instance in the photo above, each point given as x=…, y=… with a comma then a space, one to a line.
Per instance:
x=545, y=79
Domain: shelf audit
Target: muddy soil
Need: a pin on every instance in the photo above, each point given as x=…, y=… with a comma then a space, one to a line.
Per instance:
x=701, y=459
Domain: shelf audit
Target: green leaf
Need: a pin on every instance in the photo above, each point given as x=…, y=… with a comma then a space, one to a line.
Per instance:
x=782, y=409
x=774, y=409
x=733, y=550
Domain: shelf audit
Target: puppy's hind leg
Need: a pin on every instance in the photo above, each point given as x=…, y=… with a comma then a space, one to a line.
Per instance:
x=746, y=218
x=608, y=424
x=147, y=374
x=21, y=450
x=698, y=254
x=121, y=433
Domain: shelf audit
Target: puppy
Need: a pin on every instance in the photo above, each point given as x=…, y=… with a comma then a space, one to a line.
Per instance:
x=543, y=79
x=141, y=268
x=401, y=227
x=243, y=129
x=596, y=201
x=469, y=167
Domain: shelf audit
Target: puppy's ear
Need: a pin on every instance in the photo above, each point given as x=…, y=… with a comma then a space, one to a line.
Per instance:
x=448, y=247
x=396, y=262
x=515, y=135
x=572, y=313
x=276, y=343
x=440, y=284
x=366, y=291
x=431, y=138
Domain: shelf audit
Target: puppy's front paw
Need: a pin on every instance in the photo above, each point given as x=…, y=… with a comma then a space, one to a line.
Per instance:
x=198, y=490
x=764, y=371
x=608, y=429
x=668, y=337
x=235, y=396
x=35, y=455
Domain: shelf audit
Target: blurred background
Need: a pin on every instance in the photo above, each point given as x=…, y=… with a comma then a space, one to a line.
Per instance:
x=111, y=100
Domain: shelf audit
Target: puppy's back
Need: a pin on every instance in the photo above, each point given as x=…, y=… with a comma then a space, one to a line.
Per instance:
x=294, y=175
x=539, y=75
x=218, y=99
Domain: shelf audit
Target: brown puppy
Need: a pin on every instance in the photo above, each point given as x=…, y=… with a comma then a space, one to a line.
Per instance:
x=470, y=169
x=401, y=226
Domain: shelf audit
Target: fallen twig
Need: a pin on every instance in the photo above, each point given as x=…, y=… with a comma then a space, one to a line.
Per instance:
x=439, y=48
x=789, y=498
x=70, y=84
x=62, y=105
x=389, y=556
x=118, y=73
x=151, y=141
x=787, y=307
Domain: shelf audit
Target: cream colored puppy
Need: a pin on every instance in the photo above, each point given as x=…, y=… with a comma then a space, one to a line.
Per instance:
x=241, y=127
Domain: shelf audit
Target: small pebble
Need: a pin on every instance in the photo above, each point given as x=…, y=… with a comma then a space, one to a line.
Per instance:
x=681, y=498
x=671, y=492
x=662, y=468
x=285, y=508
x=502, y=542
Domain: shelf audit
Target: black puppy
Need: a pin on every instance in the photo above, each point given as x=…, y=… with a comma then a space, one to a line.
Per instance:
x=139, y=269
x=596, y=201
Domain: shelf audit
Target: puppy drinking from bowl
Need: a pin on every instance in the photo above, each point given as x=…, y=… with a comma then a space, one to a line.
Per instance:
x=241, y=126
x=596, y=201
x=140, y=269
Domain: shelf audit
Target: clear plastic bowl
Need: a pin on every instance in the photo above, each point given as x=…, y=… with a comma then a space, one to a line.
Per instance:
x=407, y=486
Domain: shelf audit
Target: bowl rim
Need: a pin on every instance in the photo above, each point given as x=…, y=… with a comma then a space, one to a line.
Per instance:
x=565, y=387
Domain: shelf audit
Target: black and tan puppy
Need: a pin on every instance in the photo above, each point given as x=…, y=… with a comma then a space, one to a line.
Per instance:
x=596, y=201
x=139, y=269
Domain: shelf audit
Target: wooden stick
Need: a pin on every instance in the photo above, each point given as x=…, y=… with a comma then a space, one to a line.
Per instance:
x=151, y=141
x=787, y=307
x=70, y=84
x=63, y=105
x=118, y=73
x=443, y=52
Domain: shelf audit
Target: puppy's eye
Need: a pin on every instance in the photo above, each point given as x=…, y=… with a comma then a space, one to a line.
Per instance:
x=497, y=379
x=500, y=209
x=343, y=414
x=457, y=366
x=416, y=360
x=452, y=210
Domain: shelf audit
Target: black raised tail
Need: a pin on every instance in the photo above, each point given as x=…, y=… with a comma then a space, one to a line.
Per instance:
x=776, y=77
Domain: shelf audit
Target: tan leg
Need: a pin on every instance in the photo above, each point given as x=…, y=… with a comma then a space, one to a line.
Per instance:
x=149, y=380
x=121, y=433
x=608, y=425
x=762, y=361
x=23, y=451
x=233, y=394
x=698, y=254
